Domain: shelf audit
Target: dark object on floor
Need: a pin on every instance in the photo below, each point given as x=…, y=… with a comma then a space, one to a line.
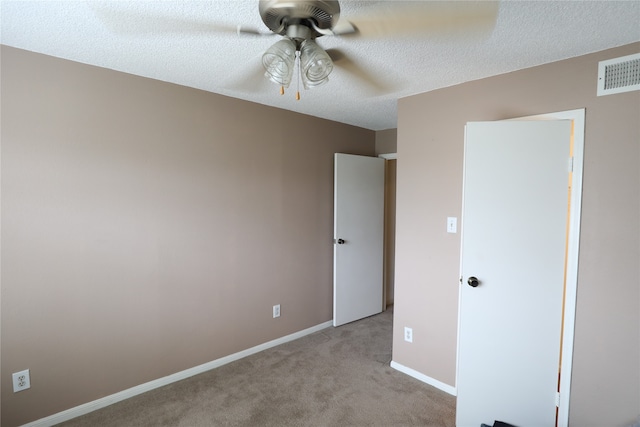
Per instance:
x=498, y=424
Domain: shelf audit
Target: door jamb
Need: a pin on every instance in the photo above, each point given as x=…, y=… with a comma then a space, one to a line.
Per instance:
x=385, y=282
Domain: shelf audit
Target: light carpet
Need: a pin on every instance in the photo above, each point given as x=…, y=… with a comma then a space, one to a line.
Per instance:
x=334, y=377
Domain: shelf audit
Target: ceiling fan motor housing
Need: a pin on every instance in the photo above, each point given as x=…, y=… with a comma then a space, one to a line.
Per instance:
x=316, y=14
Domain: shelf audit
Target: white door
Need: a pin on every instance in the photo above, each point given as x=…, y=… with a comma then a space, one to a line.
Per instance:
x=514, y=231
x=358, y=237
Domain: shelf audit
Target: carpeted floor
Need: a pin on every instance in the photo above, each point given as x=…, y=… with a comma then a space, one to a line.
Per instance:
x=335, y=377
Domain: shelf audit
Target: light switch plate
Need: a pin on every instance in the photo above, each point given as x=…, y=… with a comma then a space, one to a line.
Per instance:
x=452, y=224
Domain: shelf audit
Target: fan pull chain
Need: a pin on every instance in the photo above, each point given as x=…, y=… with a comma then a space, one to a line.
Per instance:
x=298, y=73
x=281, y=90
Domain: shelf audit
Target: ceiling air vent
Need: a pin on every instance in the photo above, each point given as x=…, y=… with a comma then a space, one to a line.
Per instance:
x=619, y=75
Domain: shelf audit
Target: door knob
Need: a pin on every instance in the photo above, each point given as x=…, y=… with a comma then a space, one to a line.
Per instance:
x=341, y=241
x=473, y=281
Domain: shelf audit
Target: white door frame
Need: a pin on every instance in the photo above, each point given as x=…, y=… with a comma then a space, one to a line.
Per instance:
x=385, y=284
x=573, y=242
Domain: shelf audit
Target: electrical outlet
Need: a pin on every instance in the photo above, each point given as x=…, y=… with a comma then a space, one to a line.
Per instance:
x=276, y=311
x=21, y=381
x=408, y=334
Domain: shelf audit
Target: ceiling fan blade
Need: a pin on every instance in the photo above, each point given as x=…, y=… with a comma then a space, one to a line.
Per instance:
x=407, y=18
x=374, y=85
x=344, y=28
x=251, y=80
x=134, y=22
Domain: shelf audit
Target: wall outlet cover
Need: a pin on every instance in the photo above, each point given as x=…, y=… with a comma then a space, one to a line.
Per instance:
x=21, y=381
x=408, y=334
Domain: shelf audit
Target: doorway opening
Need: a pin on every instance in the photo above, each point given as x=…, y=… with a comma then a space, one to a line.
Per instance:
x=389, y=227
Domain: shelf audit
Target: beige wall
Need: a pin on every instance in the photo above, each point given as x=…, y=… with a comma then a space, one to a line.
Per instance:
x=148, y=228
x=386, y=141
x=606, y=370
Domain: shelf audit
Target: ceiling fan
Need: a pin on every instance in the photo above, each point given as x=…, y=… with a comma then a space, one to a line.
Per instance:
x=301, y=22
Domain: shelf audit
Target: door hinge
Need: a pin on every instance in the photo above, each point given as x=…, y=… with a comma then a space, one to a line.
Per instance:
x=570, y=164
x=557, y=399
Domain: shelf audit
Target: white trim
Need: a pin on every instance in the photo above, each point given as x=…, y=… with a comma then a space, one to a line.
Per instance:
x=425, y=379
x=161, y=382
x=389, y=156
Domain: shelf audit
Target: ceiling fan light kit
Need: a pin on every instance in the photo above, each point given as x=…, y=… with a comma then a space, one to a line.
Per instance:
x=300, y=22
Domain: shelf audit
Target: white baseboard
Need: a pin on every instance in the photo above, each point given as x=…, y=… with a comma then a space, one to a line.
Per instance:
x=425, y=379
x=160, y=382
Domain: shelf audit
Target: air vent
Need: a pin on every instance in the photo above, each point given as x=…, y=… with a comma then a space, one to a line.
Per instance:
x=619, y=75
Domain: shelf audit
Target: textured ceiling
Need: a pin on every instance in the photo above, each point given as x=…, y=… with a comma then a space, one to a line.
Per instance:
x=183, y=42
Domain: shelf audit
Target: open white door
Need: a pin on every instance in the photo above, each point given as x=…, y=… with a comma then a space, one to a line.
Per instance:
x=514, y=234
x=358, y=237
